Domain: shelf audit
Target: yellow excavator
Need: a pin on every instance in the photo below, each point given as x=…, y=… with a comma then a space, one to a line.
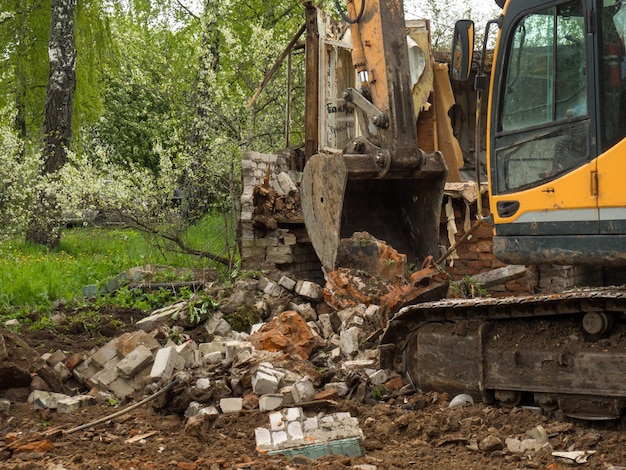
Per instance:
x=555, y=163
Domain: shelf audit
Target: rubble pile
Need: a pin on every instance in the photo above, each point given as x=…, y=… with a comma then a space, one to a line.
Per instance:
x=313, y=346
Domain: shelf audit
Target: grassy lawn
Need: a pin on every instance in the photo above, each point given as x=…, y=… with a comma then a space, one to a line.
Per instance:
x=34, y=277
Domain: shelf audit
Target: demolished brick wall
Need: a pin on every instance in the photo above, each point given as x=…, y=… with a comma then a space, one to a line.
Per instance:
x=281, y=241
x=475, y=255
x=278, y=238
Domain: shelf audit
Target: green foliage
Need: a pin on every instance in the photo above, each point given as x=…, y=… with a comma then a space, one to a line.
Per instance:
x=25, y=30
x=200, y=308
x=468, y=287
x=442, y=15
x=243, y=318
x=33, y=276
x=378, y=392
x=146, y=300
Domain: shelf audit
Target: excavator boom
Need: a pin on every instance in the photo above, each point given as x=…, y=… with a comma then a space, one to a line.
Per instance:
x=381, y=182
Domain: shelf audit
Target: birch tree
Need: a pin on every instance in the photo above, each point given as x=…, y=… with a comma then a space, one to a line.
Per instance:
x=46, y=225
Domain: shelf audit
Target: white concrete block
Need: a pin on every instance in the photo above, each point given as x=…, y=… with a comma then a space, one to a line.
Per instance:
x=309, y=290
x=72, y=404
x=309, y=424
x=350, y=340
x=138, y=359
x=263, y=437
x=209, y=410
x=270, y=401
x=303, y=391
x=232, y=348
x=216, y=345
x=203, y=383
x=378, y=377
x=372, y=313
x=287, y=283
x=340, y=387
x=164, y=363
x=231, y=405
x=264, y=383
x=214, y=357
x=62, y=371
x=278, y=437
x=45, y=400
x=294, y=430
x=306, y=311
x=277, y=421
x=272, y=289
x=293, y=414
x=216, y=325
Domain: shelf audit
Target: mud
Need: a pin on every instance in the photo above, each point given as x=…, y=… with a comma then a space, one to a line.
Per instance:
x=401, y=431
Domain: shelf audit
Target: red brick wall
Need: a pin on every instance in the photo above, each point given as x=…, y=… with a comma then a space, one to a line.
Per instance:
x=476, y=254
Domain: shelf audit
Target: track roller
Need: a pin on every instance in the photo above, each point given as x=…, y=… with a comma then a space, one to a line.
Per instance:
x=597, y=323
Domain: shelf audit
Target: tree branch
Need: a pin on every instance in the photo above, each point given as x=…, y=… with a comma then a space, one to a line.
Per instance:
x=189, y=12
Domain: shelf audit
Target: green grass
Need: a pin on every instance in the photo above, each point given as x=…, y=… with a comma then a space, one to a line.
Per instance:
x=32, y=277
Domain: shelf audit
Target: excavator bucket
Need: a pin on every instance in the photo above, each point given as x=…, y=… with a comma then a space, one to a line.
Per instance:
x=402, y=211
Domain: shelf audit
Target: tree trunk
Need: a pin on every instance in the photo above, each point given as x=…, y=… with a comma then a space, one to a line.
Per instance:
x=195, y=183
x=57, y=128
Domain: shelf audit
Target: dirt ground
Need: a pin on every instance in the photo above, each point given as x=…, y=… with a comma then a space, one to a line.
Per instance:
x=401, y=431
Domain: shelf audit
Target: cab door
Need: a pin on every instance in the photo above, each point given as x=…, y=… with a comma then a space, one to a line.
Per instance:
x=611, y=109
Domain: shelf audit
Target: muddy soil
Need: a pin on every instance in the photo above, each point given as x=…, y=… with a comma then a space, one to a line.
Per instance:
x=403, y=431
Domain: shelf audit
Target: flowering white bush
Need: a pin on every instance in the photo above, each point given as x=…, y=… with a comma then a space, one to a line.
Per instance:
x=19, y=177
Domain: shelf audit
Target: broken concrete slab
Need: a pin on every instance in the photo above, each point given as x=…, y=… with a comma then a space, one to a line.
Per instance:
x=302, y=391
x=160, y=317
x=292, y=433
x=350, y=340
x=500, y=275
x=45, y=400
x=72, y=404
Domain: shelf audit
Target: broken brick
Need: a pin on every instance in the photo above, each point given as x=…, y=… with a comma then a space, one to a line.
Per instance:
x=288, y=332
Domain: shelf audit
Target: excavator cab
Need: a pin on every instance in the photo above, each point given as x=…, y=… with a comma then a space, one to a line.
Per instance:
x=381, y=182
x=556, y=132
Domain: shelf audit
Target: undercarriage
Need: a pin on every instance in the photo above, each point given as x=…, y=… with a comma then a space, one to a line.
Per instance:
x=558, y=351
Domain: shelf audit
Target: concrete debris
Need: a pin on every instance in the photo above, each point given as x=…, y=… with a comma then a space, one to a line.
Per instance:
x=461, y=400
x=309, y=290
x=363, y=252
x=306, y=350
x=5, y=407
x=579, y=456
x=292, y=433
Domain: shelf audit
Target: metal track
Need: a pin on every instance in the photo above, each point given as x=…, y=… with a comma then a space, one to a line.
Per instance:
x=454, y=345
x=579, y=301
